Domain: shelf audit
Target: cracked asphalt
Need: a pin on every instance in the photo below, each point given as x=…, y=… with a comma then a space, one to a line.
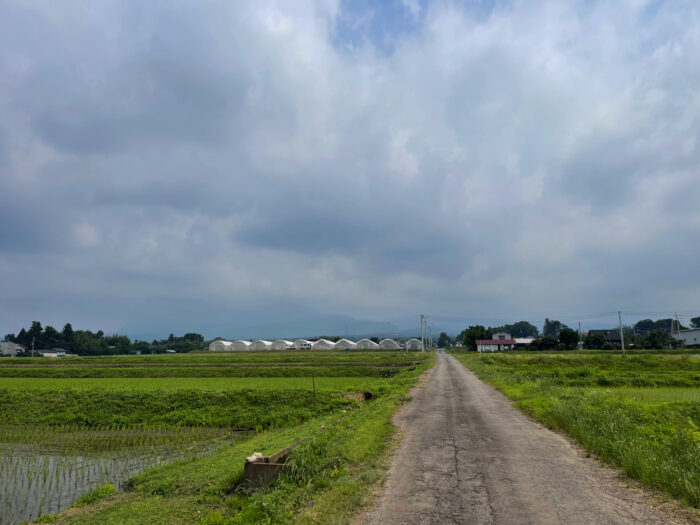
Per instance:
x=468, y=456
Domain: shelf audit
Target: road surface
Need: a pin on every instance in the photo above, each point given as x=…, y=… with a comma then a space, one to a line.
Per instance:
x=468, y=456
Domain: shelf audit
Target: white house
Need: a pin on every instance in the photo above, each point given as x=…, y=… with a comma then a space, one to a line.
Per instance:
x=689, y=337
x=413, y=344
x=281, y=344
x=241, y=345
x=261, y=344
x=302, y=344
x=345, y=344
x=218, y=346
x=8, y=348
x=367, y=344
x=500, y=341
x=323, y=344
x=389, y=344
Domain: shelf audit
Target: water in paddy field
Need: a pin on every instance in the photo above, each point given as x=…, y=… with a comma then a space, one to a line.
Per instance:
x=44, y=478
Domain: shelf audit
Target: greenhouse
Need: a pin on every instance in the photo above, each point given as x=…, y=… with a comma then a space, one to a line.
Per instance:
x=345, y=344
x=414, y=344
x=261, y=344
x=219, y=346
x=302, y=344
x=241, y=345
x=367, y=344
x=282, y=344
x=389, y=344
x=323, y=344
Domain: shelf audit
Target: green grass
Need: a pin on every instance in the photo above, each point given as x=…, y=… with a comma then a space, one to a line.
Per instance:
x=640, y=413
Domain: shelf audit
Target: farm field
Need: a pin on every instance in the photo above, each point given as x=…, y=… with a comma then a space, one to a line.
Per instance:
x=138, y=449
x=640, y=413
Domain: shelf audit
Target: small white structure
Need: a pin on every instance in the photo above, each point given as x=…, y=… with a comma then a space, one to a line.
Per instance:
x=523, y=341
x=302, y=344
x=323, y=344
x=281, y=344
x=55, y=352
x=219, y=346
x=690, y=337
x=8, y=348
x=261, y=344
x=345, y=344
x=389, y=344
x=414, y=344
x=241, y=345
x=367, y=344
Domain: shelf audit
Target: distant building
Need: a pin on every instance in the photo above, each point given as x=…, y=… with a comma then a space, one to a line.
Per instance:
x=54, y=352
x=690, y=337
x=302, y=344
x=499, y=342
x=523, y=341
x=219, y=346
x=345, y=344
x=241, y=345
x=10, y=349
x=611, y=336
x=413, y=344
x=261, y=344
x=389, y=344
x=367, y=344
x=281, y=344
x=323, y=344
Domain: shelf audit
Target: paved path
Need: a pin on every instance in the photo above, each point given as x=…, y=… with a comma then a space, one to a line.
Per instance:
x=467, y=456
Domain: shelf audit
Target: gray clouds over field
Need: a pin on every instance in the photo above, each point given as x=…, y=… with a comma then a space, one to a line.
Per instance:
x=206, y=165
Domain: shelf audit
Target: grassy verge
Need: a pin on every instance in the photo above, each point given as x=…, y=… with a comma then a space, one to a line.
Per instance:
x=330, y=477
x=620, y=408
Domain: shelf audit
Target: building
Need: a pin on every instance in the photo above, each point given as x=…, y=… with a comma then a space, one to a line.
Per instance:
x=389, y=344
x=611, y=336
x=10, y=349
x=54, y=352
x=521, y=342
x=367, y=344
x=261, y=344
x=241, y=345
x=413, y=344
x=302, y=344
x=345, y=344
x=220, y=346
x=323, y=344
x=499, y=342
x=690, y=337
x=281, y=344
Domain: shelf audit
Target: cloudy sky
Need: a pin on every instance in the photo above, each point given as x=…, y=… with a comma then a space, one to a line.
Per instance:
x=168, y=166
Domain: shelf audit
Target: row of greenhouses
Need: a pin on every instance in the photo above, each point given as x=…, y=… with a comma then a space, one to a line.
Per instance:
x=317, y=344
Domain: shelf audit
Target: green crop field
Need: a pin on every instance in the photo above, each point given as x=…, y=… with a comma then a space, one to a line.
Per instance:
x=163, y=438
x=640, y=413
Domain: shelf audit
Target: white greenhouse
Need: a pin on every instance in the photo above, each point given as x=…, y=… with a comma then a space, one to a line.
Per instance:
x=367, y=344
x=414, y=344
x=302, y=344
x=323, y=344
x=261, y=344
x=219, y=346
x=389, y=344
x=345, y=344
x=241, y=345
x=281, y=344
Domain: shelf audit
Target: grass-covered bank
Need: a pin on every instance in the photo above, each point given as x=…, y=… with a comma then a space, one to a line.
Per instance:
x=332, y=473
x=639, y=413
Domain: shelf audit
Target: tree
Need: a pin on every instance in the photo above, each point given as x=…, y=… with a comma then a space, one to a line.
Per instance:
x=644, y=326
x=594, y=341
x=374, y=339
x=659, y=339
x=569, y=338
x=552, y=328
x=519, y=329
x=194, y=337
x=67, y=332
x=473, y=334
x=695, y=322
x=444, y=340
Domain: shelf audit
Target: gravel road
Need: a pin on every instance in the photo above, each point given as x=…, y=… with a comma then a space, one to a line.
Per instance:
x=468, y=456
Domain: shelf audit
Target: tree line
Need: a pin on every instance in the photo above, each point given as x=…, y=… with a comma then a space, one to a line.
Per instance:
x=85, y=342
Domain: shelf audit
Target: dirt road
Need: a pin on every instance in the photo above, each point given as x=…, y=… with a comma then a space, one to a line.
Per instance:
x=467, y=456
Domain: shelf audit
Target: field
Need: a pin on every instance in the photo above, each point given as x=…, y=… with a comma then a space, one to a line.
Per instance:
x=640, y=413
x=162, y=439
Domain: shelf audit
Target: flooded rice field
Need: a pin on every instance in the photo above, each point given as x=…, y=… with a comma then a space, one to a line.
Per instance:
x=43, y=471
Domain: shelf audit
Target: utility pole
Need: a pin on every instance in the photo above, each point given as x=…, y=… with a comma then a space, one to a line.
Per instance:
x=422, y=340
x=622, y=335
x=678, y=327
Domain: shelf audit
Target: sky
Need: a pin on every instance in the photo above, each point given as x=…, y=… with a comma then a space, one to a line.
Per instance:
x=253, y=167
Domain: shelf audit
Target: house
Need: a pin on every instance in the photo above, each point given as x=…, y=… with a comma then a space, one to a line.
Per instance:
x=611, y=336
x=499, y=342
x=10, y=349
x=690, y=337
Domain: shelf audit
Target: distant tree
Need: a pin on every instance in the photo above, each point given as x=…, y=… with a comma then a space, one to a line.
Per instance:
x=67, y=332
x=544, y=343
x=569, y=338
x=552, y=328
x=473, y=334
x=644, y=326
x=194, y=337
x=659, y=339
x=594, y=341
x=375, y=339
x=695, y=322
x=10, y=338
x=444, y=340
x=171, y=338
x=519, y=329
x=23, y=338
